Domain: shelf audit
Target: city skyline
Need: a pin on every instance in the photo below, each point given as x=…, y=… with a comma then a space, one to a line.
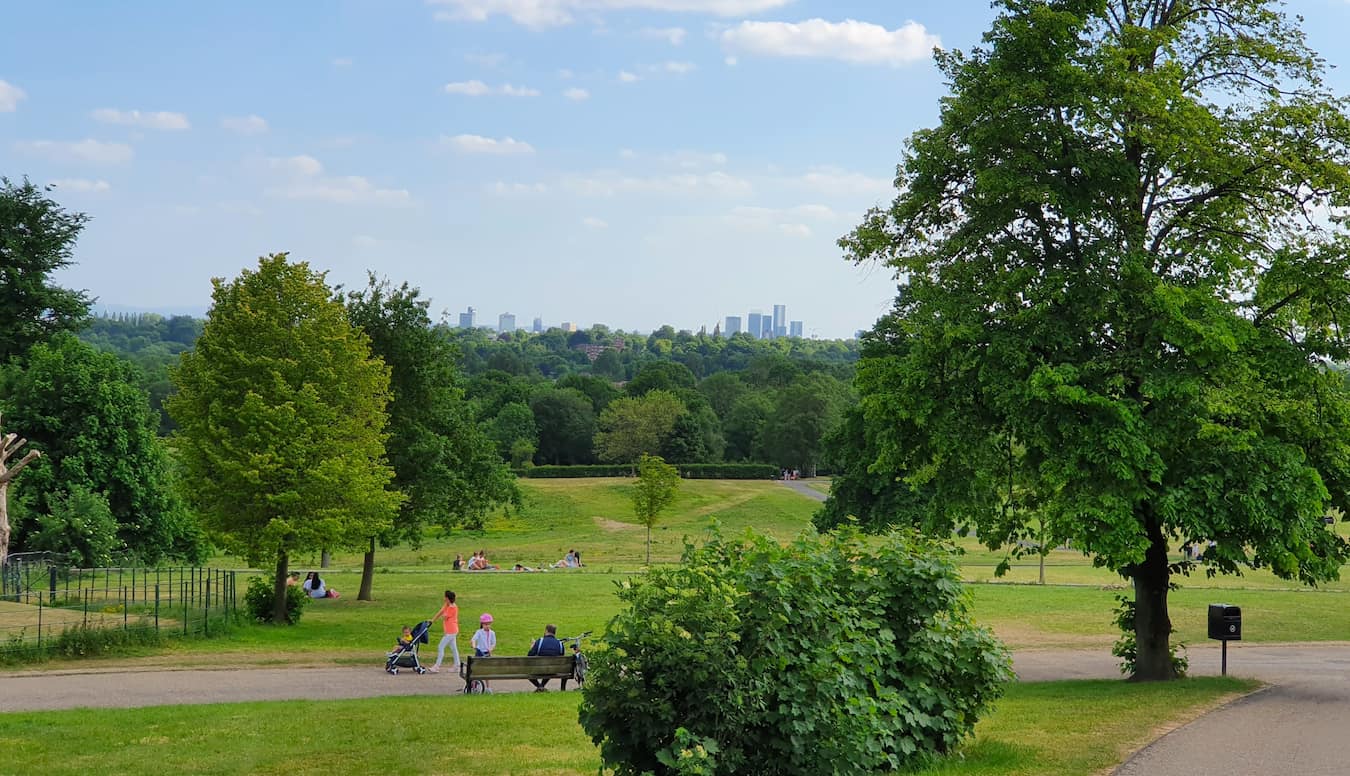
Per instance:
x=638, y=160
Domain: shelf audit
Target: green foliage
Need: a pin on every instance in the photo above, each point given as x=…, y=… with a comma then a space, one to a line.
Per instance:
x=96, y=431
x=566, y=425
x=258, y=601
x=593, y=470
x=631, y=427
x=1118, y=299
x=37, y=239
x=153, y=343
x=281, y=414
x=90, y=641
x=80, y=524
x=804, y=412
x=657, y=484
x=728, y=471
x=827, y=650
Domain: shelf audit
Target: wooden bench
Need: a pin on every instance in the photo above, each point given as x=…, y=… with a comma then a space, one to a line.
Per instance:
x=478, y=668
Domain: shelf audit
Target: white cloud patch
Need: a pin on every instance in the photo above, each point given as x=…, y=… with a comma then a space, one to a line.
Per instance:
x=81, y=185
x=611, y=184
x=164, y=120
x=477, y=144
x=792, y=221
x=839, y=182
x=576, y=94
x=10, y=95
x=342, y=62
x=303, y=179
x=95, y=151
x=477, y=88
x=591, y=222
x=551, y=13
x=673, y=35
x=731, y=61
x=679, y=68
x=245, y=125
x=848, y=41
x=627, y=77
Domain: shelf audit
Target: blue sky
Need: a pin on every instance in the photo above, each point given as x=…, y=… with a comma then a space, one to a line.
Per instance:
x=631, y=162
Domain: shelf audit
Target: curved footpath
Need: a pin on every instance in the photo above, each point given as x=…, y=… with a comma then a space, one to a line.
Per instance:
x=1296, y=725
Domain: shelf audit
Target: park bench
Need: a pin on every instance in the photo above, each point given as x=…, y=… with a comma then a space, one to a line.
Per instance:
x=479, y=668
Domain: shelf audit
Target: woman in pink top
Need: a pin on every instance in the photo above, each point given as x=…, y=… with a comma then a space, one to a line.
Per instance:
x=450, y=613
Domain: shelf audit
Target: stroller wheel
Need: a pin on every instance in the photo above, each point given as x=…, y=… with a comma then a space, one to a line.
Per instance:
x=393, y=671
x=421, y=670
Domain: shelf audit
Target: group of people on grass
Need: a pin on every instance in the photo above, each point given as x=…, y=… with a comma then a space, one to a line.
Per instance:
x=479, y=562
x=313, y=585
x=484, y=640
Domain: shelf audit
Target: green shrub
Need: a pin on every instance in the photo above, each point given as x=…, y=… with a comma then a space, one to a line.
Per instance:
x=752, y=657
x=553, y=472
x=80, y=525
x=86, y=641
x=729, y=471
x=258, y=601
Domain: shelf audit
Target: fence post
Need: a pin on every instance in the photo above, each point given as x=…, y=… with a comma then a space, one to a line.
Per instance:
x=124, y=609
x=39, y=624
x=206, y=609
x=51, y=584
x=86, y=607
x=156, y=608
x=185, y=609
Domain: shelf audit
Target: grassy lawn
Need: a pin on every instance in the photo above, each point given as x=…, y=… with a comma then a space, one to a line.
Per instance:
x=1065, y=728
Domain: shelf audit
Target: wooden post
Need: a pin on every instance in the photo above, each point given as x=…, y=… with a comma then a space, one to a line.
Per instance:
x=9, y=445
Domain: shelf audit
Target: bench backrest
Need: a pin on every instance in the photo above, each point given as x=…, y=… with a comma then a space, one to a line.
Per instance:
x=490, y=667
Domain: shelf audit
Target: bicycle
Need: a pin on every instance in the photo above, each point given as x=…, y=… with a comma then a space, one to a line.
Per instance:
x=581, y=665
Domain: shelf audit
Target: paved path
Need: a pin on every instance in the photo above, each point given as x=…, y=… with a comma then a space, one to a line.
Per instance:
x=804, y=489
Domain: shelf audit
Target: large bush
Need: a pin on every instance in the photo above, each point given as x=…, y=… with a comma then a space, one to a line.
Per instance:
x=827, y=655
x=258, y=599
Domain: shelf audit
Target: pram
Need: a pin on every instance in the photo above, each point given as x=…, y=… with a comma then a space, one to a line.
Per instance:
x=406, y=656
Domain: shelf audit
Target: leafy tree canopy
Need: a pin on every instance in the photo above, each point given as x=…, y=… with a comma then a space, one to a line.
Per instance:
x=1118, y=297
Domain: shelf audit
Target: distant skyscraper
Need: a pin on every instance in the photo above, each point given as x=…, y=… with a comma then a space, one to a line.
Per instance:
x=506, y=323
x=766, y=327
x=755, y=324
x=795, y=329
x=568, y=327
x=733, y=325
x=780, y=320
x=466, y=319
x=538, y=326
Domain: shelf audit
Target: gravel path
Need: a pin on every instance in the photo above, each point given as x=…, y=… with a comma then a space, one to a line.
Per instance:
x=804, y=489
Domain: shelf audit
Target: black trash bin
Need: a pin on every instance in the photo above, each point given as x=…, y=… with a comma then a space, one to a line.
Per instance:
x=1225, y=622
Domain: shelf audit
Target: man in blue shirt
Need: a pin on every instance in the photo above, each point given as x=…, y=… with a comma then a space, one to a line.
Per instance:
x=546, y=645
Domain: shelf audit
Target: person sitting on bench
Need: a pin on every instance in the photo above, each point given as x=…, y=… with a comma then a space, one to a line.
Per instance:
x=546, y=645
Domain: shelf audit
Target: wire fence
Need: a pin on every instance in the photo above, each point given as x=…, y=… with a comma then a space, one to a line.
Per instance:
x=46, y=605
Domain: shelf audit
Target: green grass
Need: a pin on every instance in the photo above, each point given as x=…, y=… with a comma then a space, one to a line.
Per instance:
x=1065, y=728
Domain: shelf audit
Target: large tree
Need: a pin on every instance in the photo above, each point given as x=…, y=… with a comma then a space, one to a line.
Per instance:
x=443, y=462
x=37, y=238
x=281, y=415
x=1118, y=297
x=95, y=426
x=632, y=427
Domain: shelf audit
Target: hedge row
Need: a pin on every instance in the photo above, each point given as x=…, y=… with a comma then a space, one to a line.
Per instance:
x=695, y=471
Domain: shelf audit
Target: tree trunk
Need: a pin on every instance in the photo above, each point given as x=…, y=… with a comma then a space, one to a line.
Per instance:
x=4, y=522
x=1041, y=578
x=279, y=589
x=649, y=544
x=367, y=573
x=324, y=559
x=1152, y=626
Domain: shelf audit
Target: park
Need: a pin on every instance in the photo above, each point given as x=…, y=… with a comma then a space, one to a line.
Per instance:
x=1078, y=502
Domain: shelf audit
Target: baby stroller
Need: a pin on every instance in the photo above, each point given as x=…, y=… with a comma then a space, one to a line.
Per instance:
x=406, y=656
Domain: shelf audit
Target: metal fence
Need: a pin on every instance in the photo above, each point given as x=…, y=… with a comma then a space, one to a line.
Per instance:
x=43, y=601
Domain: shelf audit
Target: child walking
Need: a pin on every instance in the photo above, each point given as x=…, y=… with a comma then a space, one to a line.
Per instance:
x=484, y=641
x=450, y=613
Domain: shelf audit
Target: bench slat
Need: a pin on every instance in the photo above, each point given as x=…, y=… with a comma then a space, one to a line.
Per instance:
x=518, y=667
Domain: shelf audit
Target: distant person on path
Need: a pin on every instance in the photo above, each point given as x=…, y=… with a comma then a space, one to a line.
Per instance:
x=315, y=588
x=484, y=641
x=546, y=645
x=450, y=613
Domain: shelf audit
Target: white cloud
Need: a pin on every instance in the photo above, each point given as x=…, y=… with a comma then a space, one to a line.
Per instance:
x=504, y=189
x=10, y=96
x=849, y=41
x=672, y=35
x=611, y=184
x=477, y=144
x=576, y=94
x=342, y=61
x=591, y=222
x=344, y=190
x=833, y=180
x=477, y=88
x=789, y=221
x=468, y=88
x=685, y=160
x=134, y=118
x=795, y=230
x=549, y=13
x=302, y=165
x=679, y=67
x=81, y=185
x=731, y=61
x=627, y=77
x=95, y=151
x=245, y=125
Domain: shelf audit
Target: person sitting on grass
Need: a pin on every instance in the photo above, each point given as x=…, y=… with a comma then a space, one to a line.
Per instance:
x=569, y=561
x=546, y=645
x=315, y=588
